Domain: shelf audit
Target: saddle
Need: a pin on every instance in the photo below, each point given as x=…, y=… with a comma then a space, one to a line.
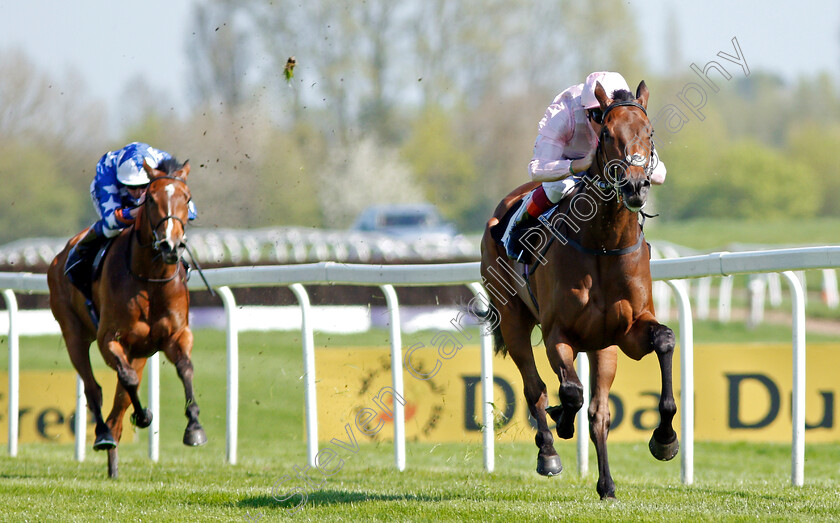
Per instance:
x=520, y=231
x=96, y=266
x=87, y=271
x=559, y=230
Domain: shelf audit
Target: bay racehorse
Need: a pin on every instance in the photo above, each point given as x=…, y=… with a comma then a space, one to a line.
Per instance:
x=143, y=304
x=588, y=286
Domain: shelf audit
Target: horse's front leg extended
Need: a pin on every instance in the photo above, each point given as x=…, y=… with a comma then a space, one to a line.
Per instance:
x=602, y=365
x=178, y=351
x=78, y=348
x=647, y=335
x=129, y=375
x=516, y=334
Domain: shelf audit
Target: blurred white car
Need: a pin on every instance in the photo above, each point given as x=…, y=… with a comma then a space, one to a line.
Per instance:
x=406, y=222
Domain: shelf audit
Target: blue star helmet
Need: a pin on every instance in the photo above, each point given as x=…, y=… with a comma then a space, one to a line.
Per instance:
x=130, y=165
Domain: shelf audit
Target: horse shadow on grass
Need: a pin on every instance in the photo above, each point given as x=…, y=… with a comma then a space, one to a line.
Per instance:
x=326, y=498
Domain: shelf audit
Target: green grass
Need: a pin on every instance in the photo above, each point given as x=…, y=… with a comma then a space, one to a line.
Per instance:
x=442, y=482
x=738, y=332
x=709, y=234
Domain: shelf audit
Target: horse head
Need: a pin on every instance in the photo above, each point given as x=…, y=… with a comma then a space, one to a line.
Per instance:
x=166, y=208
x=626, y=156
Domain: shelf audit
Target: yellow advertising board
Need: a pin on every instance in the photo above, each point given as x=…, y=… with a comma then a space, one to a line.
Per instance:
x=742, y=392
x=47, y=406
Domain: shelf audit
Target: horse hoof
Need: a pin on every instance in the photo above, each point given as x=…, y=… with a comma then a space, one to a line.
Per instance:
x=104, y=442
x=195, y=438
x=143, y=421
x=549, y=465
x=664, y=451
x=565, y=431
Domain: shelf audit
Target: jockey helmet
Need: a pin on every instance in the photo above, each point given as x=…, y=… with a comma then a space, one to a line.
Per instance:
x=609, y=81
x=130, y=170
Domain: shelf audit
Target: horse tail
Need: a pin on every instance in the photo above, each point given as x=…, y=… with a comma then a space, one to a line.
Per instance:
x=489, y=318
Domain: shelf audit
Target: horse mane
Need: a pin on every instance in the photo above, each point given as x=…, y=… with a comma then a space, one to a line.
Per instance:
x=622, y=95
x=169, y=165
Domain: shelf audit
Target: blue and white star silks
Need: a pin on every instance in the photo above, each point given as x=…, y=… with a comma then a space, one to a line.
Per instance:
x=108, y=194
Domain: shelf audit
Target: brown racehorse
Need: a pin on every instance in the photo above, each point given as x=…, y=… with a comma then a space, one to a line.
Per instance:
x=143, y=305
x=589, y=289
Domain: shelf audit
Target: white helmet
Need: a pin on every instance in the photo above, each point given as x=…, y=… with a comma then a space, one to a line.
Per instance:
x=130, y=170
x=608, y=80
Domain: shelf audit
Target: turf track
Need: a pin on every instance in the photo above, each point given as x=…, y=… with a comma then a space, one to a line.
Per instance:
x=442, y=482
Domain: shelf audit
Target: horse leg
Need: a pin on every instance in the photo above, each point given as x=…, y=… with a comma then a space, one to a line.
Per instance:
x=115, y=422
x=645, y=336
x=115, y=419
x=113, y=463
x=79, y=350
x=562, y=360
x=602, y=365
x=129, y=378
x=178, y=352
x=517, y=338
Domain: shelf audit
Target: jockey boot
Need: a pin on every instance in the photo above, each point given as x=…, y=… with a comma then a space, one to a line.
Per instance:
x=79, y=265
x=533, y=205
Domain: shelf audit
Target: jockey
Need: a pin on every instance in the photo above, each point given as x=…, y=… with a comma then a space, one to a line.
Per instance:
x=564, y=151
x=117, y=191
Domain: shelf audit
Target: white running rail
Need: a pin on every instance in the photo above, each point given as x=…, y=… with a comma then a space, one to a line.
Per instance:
x=387, y=276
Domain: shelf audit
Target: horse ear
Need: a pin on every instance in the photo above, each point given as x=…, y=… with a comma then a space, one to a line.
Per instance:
x=184, y=171
x=148, y=169
x=642, y=94
x=601, y=96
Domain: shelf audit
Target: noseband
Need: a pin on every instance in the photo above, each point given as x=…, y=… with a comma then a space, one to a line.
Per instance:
x=605, y=165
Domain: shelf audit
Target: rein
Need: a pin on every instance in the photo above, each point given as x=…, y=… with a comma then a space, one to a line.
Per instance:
x=603, y=186
x=605, y=165
x=586, y=250
x=155, y=244
x=137, y=276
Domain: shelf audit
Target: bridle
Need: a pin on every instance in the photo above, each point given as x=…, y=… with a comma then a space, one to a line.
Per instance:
x=157, y=241
x=607, y=167
x=602, y=165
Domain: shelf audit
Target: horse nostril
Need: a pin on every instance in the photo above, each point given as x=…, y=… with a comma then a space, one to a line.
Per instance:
x=167, y=248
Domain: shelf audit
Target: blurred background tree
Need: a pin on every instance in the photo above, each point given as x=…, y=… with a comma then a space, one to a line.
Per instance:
x=48, y=151
x=433, y=100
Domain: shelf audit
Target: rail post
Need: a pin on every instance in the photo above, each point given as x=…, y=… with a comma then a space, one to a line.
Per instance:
x=310, y=400
x=14, y=371
x=232, y=404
